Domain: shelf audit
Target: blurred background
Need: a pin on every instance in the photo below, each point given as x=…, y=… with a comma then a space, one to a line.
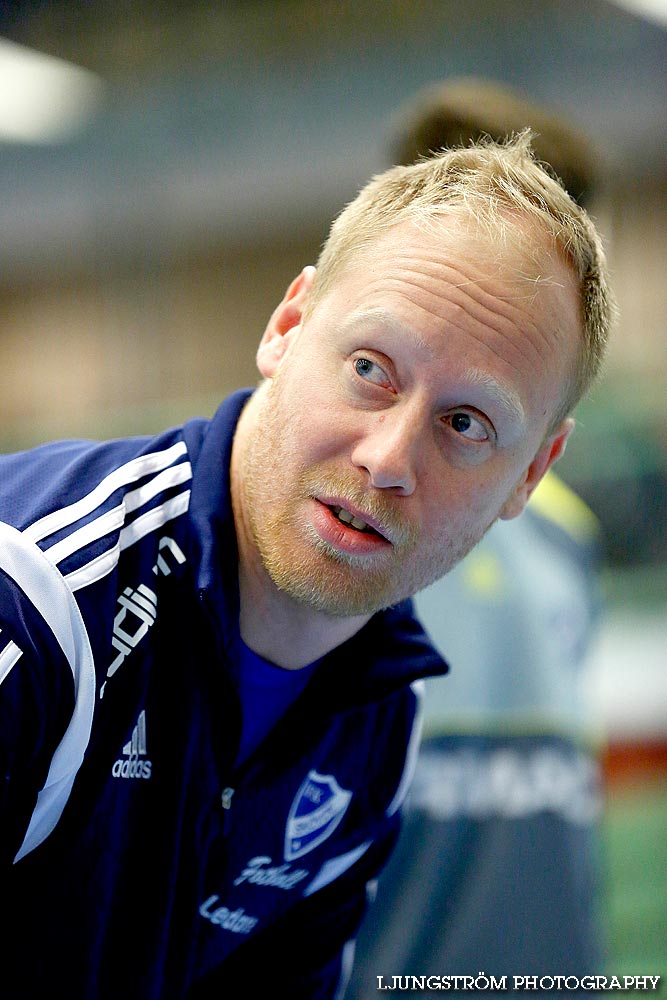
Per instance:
x=166, y=168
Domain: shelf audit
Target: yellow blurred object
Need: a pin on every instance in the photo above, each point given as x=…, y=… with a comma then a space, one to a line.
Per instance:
x=484, y=574
x=555, y=501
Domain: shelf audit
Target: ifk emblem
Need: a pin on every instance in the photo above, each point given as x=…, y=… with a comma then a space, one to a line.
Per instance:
x=316, y=811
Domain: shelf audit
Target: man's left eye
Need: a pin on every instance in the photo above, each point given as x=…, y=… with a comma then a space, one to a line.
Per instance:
x=468, y=426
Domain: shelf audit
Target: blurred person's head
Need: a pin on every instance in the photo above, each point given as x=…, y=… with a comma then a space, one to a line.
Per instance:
x=461, y=110
x=517, y=214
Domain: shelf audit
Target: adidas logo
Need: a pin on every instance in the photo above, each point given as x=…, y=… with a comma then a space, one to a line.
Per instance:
x=132, y=766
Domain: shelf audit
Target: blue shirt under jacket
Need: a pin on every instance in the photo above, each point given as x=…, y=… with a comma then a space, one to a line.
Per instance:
x=138, y=860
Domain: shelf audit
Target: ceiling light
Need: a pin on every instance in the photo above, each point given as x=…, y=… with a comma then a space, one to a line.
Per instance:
x=43, y=99
x=652, y=10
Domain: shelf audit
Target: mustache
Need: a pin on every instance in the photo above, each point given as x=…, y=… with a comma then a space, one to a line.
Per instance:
x=373, y=505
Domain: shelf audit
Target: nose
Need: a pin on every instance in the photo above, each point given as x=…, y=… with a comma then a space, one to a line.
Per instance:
x=388, y=452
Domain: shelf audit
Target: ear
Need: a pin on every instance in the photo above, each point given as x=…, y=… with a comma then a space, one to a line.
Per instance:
x=284, y=324
x=551, y=451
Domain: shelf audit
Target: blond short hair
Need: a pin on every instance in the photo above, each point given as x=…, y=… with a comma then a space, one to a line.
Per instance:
x=504, y=191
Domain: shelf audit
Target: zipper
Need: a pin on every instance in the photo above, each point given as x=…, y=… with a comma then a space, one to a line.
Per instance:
x=224, y=681
x=226, y=803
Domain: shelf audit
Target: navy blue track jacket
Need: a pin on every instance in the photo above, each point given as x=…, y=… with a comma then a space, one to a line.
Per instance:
x=137, y=860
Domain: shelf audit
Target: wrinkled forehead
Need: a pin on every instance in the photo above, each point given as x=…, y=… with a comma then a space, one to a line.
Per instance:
x=503, y=245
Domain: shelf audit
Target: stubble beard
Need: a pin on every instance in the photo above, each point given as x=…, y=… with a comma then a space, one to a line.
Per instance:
x=303, y=565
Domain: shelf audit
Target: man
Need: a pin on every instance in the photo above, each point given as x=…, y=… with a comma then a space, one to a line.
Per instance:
x=207, y=712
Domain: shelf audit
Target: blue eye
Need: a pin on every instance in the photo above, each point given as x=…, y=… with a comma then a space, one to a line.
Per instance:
x=371, y=372
x=461, y=422
x=468, y=426
x=363, y=367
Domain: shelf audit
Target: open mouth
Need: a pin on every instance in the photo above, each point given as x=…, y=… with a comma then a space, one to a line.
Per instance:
x=352, y=521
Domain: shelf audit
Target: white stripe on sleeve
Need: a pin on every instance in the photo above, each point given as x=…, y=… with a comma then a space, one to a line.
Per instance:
x=144, y=465
x=87, y=534
x=95, y=570
x=46, y=589
x=10, y=655
x=106, y=561
x=154, y=518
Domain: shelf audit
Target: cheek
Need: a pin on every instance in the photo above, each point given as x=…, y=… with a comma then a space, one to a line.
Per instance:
x=326, y=433
x=309, y=439
x=461, y=501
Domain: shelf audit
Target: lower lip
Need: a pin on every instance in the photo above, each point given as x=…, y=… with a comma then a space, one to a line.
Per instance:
x=343, y=537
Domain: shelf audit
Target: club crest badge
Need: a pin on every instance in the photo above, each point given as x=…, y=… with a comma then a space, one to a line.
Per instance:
x=318, y=808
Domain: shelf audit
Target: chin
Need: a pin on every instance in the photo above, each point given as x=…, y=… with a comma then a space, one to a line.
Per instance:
x=336, y=590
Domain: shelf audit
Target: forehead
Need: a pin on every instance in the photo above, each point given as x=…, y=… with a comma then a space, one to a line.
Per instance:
x=513, y=268
x=510, y=249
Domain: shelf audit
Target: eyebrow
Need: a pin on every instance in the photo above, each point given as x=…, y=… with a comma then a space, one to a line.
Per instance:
x=505, y=396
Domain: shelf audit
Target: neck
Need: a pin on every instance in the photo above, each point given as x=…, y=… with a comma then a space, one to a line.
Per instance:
x=285, y=632
x=273, y=624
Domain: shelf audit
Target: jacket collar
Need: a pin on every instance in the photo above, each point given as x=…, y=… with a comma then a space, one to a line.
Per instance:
x=390, y=651
x=213, y=519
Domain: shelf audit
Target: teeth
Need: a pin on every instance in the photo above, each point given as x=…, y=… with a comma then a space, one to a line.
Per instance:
x=347, y=518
